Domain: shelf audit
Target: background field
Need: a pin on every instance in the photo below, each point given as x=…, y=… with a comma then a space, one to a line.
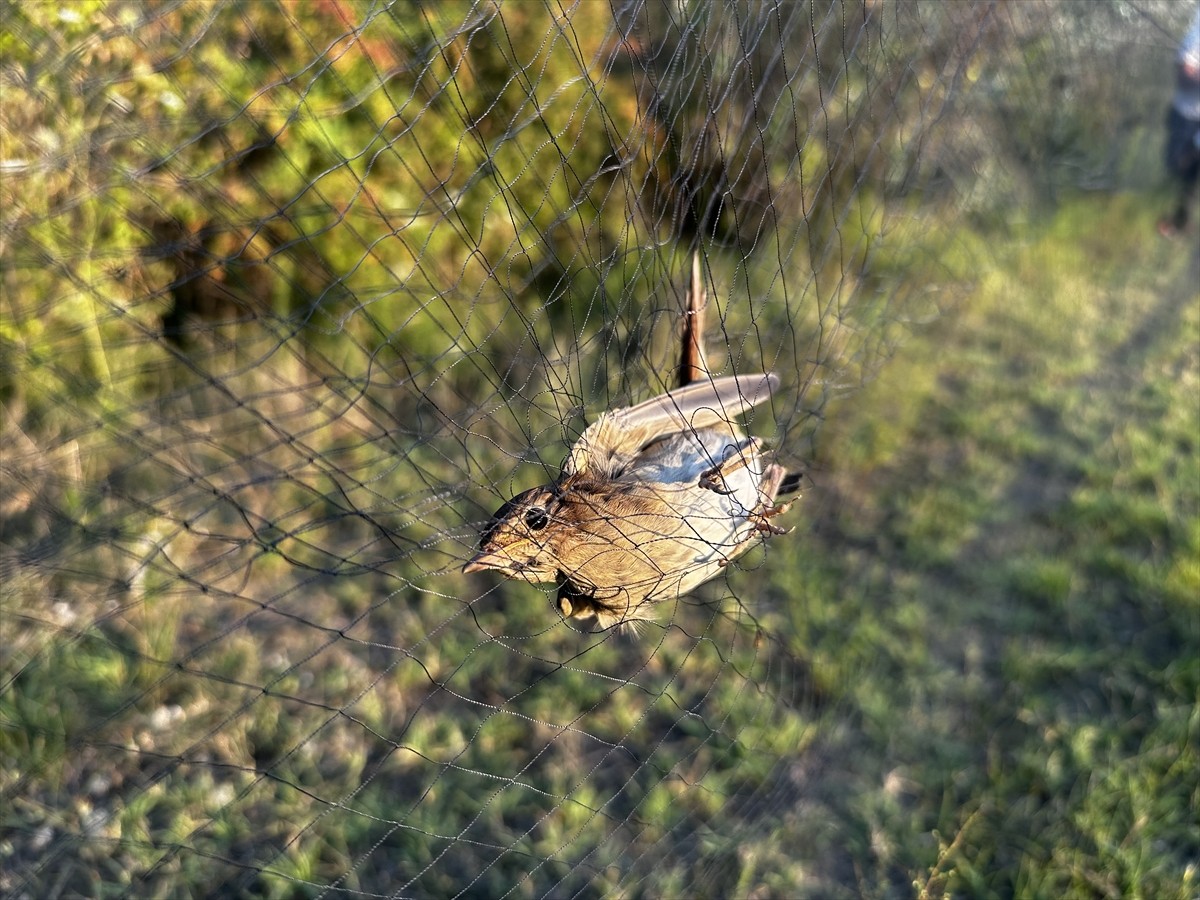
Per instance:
x=295, y=295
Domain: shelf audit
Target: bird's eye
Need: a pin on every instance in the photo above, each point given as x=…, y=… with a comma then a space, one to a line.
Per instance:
x=536, y=519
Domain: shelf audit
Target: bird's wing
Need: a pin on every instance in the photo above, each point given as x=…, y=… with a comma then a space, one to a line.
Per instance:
x=609, y=443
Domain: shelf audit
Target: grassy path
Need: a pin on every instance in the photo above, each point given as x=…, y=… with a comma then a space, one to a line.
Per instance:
x=1014, y=508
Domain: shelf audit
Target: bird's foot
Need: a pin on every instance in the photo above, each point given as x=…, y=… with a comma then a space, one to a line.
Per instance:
x=736, y=458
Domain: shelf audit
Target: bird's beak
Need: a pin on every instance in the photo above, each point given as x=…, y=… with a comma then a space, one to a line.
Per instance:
x=484, y=560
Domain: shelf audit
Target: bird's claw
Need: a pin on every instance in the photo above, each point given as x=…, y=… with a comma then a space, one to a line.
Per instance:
x=736, y=458
x=762, y=520
x=714, y=480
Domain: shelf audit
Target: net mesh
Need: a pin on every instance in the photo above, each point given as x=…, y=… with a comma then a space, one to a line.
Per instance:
x=295, y=295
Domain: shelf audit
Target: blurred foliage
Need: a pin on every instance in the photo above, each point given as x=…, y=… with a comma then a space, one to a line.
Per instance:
x=293, y=293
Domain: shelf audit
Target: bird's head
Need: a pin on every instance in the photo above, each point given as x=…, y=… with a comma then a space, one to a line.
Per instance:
x=519, y=540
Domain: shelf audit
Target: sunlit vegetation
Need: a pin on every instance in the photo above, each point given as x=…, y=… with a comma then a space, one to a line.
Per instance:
x=295, y=294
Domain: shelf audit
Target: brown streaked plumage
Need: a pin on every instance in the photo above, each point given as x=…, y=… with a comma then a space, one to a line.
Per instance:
x=653, y=500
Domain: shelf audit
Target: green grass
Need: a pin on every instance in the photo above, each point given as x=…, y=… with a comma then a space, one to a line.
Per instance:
x=1021, y=559
x=974, y=670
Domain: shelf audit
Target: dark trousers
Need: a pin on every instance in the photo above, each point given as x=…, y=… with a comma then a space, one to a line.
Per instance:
x=1183, y=161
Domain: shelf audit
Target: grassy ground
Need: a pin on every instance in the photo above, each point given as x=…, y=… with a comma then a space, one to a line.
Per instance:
x=1008, y=524
x=974, y=668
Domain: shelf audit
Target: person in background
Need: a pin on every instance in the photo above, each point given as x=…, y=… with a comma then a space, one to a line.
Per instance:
x=1183, y=130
